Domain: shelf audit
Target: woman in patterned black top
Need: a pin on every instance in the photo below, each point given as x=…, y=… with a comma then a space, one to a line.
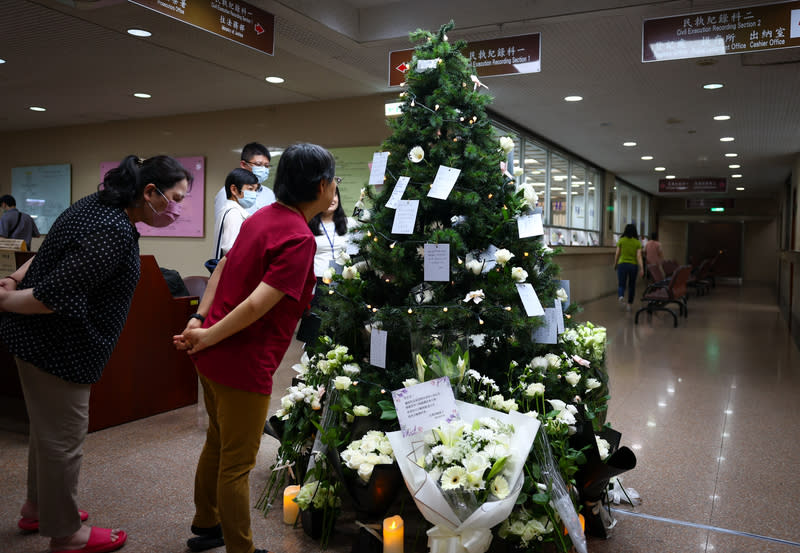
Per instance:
x=62, y=313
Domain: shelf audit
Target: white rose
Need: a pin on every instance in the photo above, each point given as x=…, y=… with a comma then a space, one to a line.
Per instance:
x=553, y=360
x=503, y=256
x=573, y=378
x=361, y=411
x=365, y=471
x=474, y=266
x=535, y=389
x=507, y=144
x=475, y=296
x=416, y=154
x=518, y=171
x=350, y=273
x=351, y=369
x=592, y=383
x=602, y=446
x=561, y=294
x=342, y=257
x=519, y=274
x=540, y=363
x=410, y=382
x=327, y=275
x=529, y=194
x=342, y=382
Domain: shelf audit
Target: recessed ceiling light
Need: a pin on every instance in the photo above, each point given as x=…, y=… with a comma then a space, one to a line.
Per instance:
x=734, y=166
x=36, y=108
x=740, y=188
x=660, y=168
x=647, y=158
x=712, y=86
x=274, y=80
x=142, y=95
x=736, y=176
x=2, y=60
x=727, y=139
x=629, y=144
x=721, y=117
x=573, y=98
x=669, y=176
x=139, y=32
x=731, y=155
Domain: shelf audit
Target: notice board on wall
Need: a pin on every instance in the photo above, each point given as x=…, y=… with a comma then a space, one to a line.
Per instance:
x=190, y=223
x=42, y=191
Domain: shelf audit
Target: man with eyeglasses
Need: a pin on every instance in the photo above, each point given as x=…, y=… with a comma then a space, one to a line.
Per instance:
x=256, y=159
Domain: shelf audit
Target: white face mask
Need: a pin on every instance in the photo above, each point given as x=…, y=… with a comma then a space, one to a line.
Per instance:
x=261, y=172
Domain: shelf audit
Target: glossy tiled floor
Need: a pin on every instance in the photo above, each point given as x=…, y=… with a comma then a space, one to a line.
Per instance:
x=710, y=408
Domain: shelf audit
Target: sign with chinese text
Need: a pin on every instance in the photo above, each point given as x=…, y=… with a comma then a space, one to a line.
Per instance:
x=708, y=203
x=231, y=19
x=499, y=56
x=727, y=31
x=702, y=184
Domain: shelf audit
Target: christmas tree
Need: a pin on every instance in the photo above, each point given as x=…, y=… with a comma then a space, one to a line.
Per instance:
x=444, y=125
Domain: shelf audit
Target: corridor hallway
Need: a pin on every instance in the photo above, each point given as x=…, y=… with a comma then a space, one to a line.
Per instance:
x=710, y=408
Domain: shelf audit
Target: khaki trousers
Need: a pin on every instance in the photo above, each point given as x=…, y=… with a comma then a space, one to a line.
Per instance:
x=222, y=488
x=59, y=417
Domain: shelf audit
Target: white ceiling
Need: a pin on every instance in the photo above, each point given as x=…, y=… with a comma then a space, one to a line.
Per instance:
x=74, y=58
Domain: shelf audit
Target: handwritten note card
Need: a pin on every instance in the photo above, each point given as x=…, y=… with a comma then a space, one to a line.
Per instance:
x=530, y=225
x=533, y=307
x=377, y=348
x=488, y=258
x=405, y=216
x=378, y=169
x=424, y=406
x=548, y=332
x=444, y=182
x=437, y=262
x=397, y=193
x=559, y=316
x=426, y=65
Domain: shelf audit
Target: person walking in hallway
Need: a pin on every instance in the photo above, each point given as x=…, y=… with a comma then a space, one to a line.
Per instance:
x=627, y=259
x=239, y=335
x=14, y=223
x=61, y=314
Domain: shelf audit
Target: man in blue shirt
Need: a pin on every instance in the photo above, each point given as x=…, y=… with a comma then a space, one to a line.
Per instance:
x=14, y=223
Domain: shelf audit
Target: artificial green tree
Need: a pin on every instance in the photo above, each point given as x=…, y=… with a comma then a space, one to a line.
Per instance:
x=444, y=114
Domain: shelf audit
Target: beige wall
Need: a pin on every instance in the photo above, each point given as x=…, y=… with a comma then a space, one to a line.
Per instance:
x=590, y=272
x=217, y=136
x=760, y=252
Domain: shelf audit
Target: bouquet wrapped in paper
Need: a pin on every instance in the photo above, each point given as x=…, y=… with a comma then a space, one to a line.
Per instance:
x=465, y=474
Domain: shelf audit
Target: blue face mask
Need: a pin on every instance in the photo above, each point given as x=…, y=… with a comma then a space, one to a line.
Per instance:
x=248, y=199
x=261, y=172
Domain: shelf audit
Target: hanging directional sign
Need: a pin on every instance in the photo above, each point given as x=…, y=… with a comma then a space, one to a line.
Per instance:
x=499, y=56
x=719, y=32
x=232, y=19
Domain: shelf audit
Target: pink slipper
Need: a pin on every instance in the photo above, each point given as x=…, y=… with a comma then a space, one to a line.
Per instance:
x=99, y=542
x=32, y=524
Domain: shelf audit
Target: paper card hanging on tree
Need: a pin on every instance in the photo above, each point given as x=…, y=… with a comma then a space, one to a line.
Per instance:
x=559, y=315
x=424, y=406
x=377, y=348
x=427, y=65
x=437, y=262
x=488, y=258
x=548, y=332
x=378, y=168
x=530, y=225
x=533, y=307
x=444, y=182
x=397, y=193
x=565, y=285
x=405, y=216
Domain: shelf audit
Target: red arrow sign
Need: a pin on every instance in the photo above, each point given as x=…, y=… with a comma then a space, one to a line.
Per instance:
x=403, y=67
x=259, y=29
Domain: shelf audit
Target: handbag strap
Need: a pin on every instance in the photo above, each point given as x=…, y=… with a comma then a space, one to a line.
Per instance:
x=19, y=220
x=219, y=238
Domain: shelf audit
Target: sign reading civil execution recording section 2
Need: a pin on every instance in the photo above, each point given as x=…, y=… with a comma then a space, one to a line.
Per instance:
x=703, y=184
x=499, y=56
x=728, y=31
x=231, y=19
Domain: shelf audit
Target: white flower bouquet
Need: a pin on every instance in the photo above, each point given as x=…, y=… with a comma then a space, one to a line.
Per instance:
x=362, y=455
x=465, y=475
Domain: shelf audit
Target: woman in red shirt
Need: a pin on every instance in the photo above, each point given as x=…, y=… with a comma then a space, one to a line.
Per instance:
x=241, y=331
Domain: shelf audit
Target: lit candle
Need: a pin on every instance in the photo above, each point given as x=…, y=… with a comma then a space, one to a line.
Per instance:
x=291, y=509
x=393, y=534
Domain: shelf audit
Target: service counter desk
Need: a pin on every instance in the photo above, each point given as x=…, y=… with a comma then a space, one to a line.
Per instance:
x=146, y=375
